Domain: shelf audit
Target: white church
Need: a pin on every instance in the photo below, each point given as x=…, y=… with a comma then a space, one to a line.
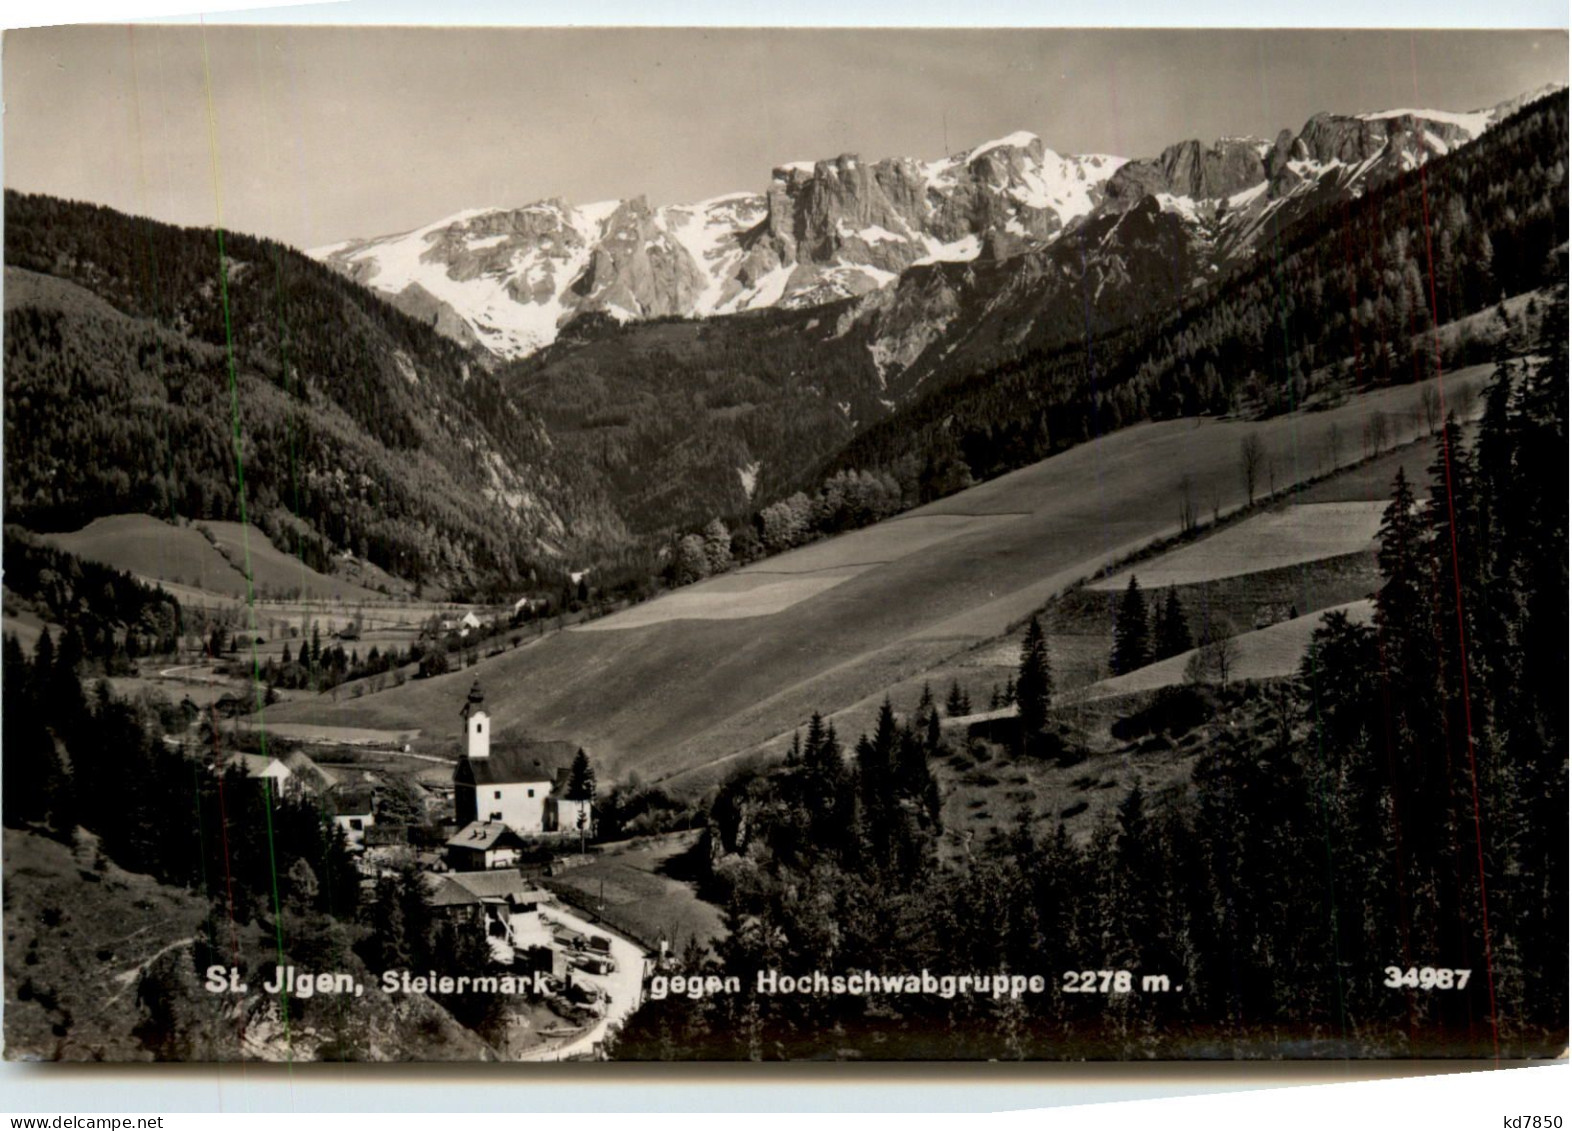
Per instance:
x=520, y=786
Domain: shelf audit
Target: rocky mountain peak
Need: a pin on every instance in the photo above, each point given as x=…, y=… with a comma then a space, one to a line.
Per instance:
x=841, y=226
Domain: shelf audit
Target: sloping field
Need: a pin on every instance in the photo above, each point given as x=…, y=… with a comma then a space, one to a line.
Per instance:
x=771, y=586
x=155, y=550
x=181, y=556
x=1272, y=651
x=338, y=736
x=671, y=696
x=1288, y=536
x=628, y=890
x=735, y=595
x=885, y=542
x=275, y=572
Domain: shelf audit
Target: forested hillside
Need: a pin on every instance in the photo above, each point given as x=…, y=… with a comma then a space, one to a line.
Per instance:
x=341, y=424
x=675, y=413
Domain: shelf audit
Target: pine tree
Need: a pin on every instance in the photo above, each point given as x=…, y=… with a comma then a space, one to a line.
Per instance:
x=926, y=720
x=388, y=946
x=813, y=748
x=1034, y=683
x=1131, y=648
x=43, y=667
x=1173, y=630
x=876, y=783
x=1138, y=876
x=958, y=703
x=29, y=761
x=1459, y=567
x=581, y=778
x=823, y=768
x=1402, y=613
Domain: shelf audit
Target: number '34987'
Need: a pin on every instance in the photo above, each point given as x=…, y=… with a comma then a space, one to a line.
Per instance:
x=1426, y=978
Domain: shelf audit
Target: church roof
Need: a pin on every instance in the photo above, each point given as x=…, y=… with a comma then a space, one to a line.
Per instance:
x=517, y=760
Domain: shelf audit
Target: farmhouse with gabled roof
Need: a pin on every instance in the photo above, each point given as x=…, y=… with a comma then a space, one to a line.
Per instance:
x=293, y=775
x=481, y=845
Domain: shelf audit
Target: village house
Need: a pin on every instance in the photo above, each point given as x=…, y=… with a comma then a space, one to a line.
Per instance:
x=484, y=899
x=483, y=845
x=288, y=777
x=354, y=812
x=520, y=784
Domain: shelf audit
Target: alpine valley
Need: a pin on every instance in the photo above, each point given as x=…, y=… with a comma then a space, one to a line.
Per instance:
x=562, y=386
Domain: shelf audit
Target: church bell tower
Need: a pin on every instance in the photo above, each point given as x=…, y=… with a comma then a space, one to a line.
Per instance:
x=477, y=725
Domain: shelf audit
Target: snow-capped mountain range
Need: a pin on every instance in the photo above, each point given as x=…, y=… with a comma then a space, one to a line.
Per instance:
x=509, y=279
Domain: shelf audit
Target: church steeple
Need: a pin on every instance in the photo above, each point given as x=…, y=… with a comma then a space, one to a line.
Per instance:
x=477, y=725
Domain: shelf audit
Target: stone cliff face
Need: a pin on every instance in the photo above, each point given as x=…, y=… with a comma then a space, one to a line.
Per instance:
x=1251, y=174
x=1190, y=170
x=636, y=269
x=829, y=230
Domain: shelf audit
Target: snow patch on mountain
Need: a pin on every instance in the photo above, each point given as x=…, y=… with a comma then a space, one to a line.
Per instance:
x=957, y=251
x=1473, y=123
x=1066, y=184
x=767, y=291
x=1020, y=139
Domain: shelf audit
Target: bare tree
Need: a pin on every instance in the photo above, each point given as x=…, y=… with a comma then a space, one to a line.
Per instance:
x=1380, y=432
x=1186, y=505
x=1465, y=398
x=1251, y=453
x=1216, y=656
x=1429, y=407
x=1334, y=444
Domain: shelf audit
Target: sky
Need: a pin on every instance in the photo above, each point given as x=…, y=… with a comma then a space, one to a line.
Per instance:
x=313, y=135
